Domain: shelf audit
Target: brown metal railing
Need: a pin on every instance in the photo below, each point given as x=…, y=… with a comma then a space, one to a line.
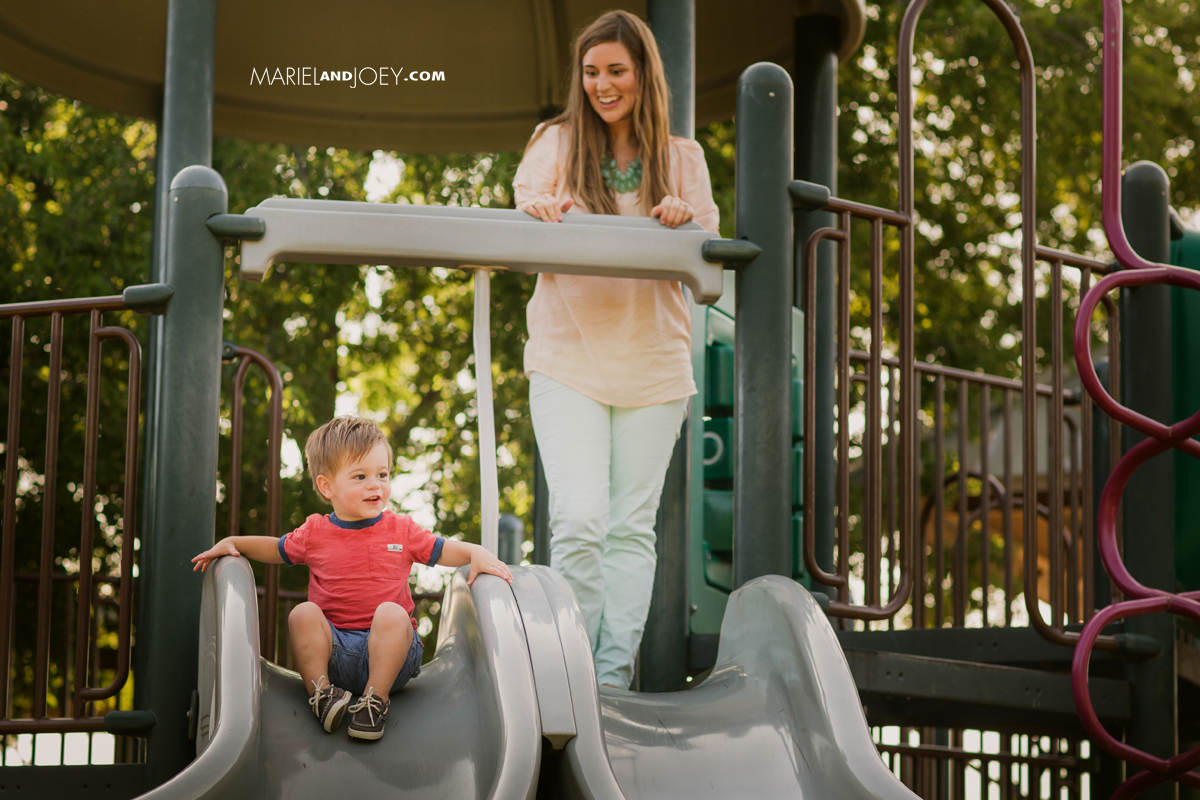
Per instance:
x=246, y=358
x=84, y=582
x=1019, y=769
x=903, y=560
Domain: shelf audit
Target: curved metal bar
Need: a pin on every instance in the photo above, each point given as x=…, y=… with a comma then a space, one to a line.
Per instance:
x=248, y=357
x=83, y=693
x=1160, y=438
x=819, y=574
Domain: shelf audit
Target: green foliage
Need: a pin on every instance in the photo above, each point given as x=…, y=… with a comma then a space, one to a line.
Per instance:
x=75, y=220
x=968, y=154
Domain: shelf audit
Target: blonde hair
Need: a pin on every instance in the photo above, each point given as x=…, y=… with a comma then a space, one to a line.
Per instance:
x=588, y=132
x=338, y=441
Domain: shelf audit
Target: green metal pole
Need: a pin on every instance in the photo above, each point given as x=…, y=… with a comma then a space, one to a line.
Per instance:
x=674, y=26
x=1148, y=502
x=184, y=138
x=663, y=663
x=816, y=65
x=762, y=469
x=181, y=521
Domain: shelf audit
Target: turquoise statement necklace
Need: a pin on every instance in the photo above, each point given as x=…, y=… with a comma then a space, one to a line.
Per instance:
x=618, y=181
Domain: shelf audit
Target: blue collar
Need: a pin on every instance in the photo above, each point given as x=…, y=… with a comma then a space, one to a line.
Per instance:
x=356, y=525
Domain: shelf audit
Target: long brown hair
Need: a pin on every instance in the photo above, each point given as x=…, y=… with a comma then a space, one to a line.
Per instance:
x=589, y=133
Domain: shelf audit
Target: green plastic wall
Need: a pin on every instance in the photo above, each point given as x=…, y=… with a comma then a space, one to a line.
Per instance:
x=712, y=472
x=1185, y=321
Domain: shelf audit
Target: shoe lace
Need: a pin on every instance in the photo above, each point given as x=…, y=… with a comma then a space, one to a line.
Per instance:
x=320, y=686
x=371, y=703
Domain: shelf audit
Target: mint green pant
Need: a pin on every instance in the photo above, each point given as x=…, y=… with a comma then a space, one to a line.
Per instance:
x=604, y=467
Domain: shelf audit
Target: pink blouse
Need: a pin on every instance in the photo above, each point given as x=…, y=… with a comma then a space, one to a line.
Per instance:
x=620, y=341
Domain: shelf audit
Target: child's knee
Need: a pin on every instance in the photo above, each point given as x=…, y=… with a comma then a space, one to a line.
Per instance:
x=306, y=615
x=392, y=615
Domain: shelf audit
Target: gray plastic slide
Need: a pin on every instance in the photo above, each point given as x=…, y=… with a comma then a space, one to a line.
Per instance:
x=466, y=727
x=512, y=685
x=343, y=232
x=779, y=715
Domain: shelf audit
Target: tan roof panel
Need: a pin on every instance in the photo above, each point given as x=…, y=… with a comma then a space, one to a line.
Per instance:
x=502, y=64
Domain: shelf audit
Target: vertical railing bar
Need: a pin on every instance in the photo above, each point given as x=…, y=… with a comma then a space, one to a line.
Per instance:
x=960, y=595
x=8, y=541
x=94, y=640
x=873, y=528
x=1008, y=509
x=890, y=491
x=1075, y=526
x=91, y=435
x=920, y=561
x=985, y=499
x=843, y=345
x=69, y=610
x=235, y=455
x=1114, y=427
x=1054, y=426
x=45, y=597
x=1087, y=523
x=939, y=489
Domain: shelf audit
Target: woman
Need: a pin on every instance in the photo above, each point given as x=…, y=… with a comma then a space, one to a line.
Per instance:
x=608, y=359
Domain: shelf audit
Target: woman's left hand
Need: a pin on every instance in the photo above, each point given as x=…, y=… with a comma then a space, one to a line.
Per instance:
x=672, y=212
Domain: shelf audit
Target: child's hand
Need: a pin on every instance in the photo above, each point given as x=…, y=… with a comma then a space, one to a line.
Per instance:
x=224, y=547
x=483, y=561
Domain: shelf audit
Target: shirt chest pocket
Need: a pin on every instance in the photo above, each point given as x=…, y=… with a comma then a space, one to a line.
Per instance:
x=386, y=561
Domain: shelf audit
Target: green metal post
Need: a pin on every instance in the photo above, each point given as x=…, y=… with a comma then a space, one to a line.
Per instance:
x=184, y=138
x=1148, y=502
x=182, y=448
x=762, y=469
x=816, y=64
x=663, y=663
x=674, y=26
x=512, y=535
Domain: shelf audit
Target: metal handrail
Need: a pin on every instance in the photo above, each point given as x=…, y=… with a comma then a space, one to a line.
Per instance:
x=151, y=297
x=247, y=357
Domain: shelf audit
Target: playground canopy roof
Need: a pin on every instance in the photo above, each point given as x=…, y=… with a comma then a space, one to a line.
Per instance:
x=504, y=62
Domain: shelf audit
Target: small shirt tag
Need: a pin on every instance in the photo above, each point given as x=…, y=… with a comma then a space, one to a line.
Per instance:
x=395, y=548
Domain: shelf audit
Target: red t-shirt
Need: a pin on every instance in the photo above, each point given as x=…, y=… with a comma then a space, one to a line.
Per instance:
x=355, y=566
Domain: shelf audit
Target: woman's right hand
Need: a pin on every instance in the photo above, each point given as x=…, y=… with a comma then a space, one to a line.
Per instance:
x=548, y=209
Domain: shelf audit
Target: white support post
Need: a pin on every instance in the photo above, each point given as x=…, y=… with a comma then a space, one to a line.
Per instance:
x=485, y=415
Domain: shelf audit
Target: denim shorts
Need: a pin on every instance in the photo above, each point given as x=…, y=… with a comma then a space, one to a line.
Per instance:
x=349, y=668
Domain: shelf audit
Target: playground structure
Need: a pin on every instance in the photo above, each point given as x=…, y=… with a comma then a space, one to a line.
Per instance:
x=932, y=682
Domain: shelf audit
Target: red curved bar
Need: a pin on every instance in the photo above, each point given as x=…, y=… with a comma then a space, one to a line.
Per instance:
x=1142, y=599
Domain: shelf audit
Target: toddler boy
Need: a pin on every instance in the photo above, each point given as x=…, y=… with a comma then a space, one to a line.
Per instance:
x=356, y=634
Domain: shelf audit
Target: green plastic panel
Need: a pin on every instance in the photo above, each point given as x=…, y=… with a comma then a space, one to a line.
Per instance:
x=719, y=383
x=797, y=409
x=798, y=570
x=718, y=519
x=1185, y=322
x=718, y=570
x=718, y=449
x=797, y=475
